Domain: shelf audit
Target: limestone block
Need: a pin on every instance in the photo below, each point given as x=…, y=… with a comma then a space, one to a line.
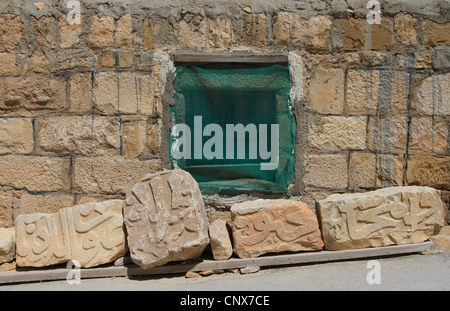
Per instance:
x=331, y=133
x=165, y=219
x=429, y=171
x=16, y=136
x=355, y=32
x=273, y=226
x=256, y=30
x=35, y=174
x=124, y=30
x=376, y=92
x=326, y=91
x=92, y=233
x=10, y=32
x=395, y=215
x=404, y=30
x=124, y=92
x=7, y=245
x=109, y=176
x=102, y=31
x=431, y=96
x=75, y=135
x=436, y=34
x=32, y=93
x=326, y=171
x=220, y=240
x=80, y=93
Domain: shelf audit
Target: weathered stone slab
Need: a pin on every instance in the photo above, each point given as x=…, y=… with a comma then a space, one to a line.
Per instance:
x=272, y=226
x=396, y=215
x=91, y=233
x=166, y=219
x=7, y=244
x=220, y=240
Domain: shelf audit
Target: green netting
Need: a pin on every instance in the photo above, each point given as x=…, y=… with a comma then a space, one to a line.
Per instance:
x=228, y=95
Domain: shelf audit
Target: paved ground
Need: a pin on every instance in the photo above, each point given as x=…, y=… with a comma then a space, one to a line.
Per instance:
x=411, y=272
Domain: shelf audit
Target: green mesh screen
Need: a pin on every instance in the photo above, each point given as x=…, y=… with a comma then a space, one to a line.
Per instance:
x=230, y=94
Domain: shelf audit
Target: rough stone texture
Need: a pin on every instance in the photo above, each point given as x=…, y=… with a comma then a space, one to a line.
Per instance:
x=7, y=244
x=326, y=91
x=220, y=240
x=405, y=32
x=432, y=96
x=332, y=133
x=23, y=202
x=35, y=174
x=396, y=215
x=80, y=93
x=125, y=93
x=428, y=135
x=436, y=34
x=109, y=176
x=327, y=171
x=362, y=170
x=380, y=35
x=21, y=95
x=429, y=171
x=70, y=33
x=273, y=226
x=372, y=92
x=98, y=136
x=387, y=133
x=165, y=219
x=16, y=136
x=10, y=32
x=442, y=240
x=92, y=233
x=355, y=32
x=102, y=31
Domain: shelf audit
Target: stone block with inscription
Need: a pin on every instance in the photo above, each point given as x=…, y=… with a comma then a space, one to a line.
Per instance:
x=91, y=233
x=395, y=215
x=165, y=219
x=272, y=226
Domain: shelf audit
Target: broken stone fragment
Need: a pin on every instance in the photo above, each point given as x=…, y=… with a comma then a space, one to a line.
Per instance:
x=91, y=233
x=165, y=219
x=7, y=245
x=220, y=240
x=272, y=226
x=396, y=215
x=442, y=240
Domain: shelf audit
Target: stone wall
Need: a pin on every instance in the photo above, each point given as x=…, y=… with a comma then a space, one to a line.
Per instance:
x=84, y=116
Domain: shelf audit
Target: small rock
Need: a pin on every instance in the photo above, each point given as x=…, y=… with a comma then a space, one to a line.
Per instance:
x=206, y=273
x=220, y=240
x=191, y=274
x=247, y=9
x=442, y=240
x=248, y=270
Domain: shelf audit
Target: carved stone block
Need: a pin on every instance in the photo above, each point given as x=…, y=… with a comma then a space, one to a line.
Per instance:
x=272, y=226
x=91, y=233
x=165, y=219
x=396, y=215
